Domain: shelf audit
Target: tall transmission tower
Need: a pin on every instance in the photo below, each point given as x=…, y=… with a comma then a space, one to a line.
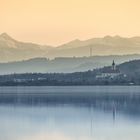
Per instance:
x=90, y=51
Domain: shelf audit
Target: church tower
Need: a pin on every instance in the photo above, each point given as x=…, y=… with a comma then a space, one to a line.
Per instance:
x=113, y=65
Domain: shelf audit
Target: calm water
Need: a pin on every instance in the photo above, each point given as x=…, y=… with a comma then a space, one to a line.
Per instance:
x=70, y=113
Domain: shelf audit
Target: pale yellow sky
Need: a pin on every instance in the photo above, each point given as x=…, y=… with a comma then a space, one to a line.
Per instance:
x=58, y=21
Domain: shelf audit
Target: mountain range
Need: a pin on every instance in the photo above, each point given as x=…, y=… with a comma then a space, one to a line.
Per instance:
x=13, y=50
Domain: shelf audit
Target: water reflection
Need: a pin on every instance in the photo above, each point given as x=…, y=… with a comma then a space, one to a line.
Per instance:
x=64, y=116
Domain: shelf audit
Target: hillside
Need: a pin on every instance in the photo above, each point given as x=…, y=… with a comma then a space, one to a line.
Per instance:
x=130, y=67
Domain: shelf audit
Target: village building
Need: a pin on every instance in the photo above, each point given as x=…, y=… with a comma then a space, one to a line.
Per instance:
x=109, y=72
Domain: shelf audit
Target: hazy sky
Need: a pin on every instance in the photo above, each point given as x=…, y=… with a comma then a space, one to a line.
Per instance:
x=57, y=21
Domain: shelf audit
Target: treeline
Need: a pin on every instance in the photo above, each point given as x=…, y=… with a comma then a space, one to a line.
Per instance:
x=61, y=79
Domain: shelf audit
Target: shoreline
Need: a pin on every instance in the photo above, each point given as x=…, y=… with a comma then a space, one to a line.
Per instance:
x=87, y=90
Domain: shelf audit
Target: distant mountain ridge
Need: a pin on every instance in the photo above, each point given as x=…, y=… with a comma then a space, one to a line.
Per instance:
x=13, y=50
x=63, y=64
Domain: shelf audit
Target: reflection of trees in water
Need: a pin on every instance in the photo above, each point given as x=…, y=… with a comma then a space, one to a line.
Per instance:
x=129, y=104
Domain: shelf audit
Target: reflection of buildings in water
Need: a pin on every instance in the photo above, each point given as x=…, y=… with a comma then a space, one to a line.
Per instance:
x=112, y=108
x=91, y=121
x=114, y=113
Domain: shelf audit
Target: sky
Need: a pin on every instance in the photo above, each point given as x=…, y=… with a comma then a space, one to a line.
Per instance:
x=55, y=22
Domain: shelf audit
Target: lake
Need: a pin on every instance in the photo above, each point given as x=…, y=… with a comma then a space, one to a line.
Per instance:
x=70, y=113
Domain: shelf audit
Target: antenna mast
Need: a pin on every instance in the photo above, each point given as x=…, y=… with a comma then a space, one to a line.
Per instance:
x=90, y=51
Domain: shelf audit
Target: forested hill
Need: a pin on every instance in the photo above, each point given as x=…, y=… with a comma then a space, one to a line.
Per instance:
x=131, y=69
